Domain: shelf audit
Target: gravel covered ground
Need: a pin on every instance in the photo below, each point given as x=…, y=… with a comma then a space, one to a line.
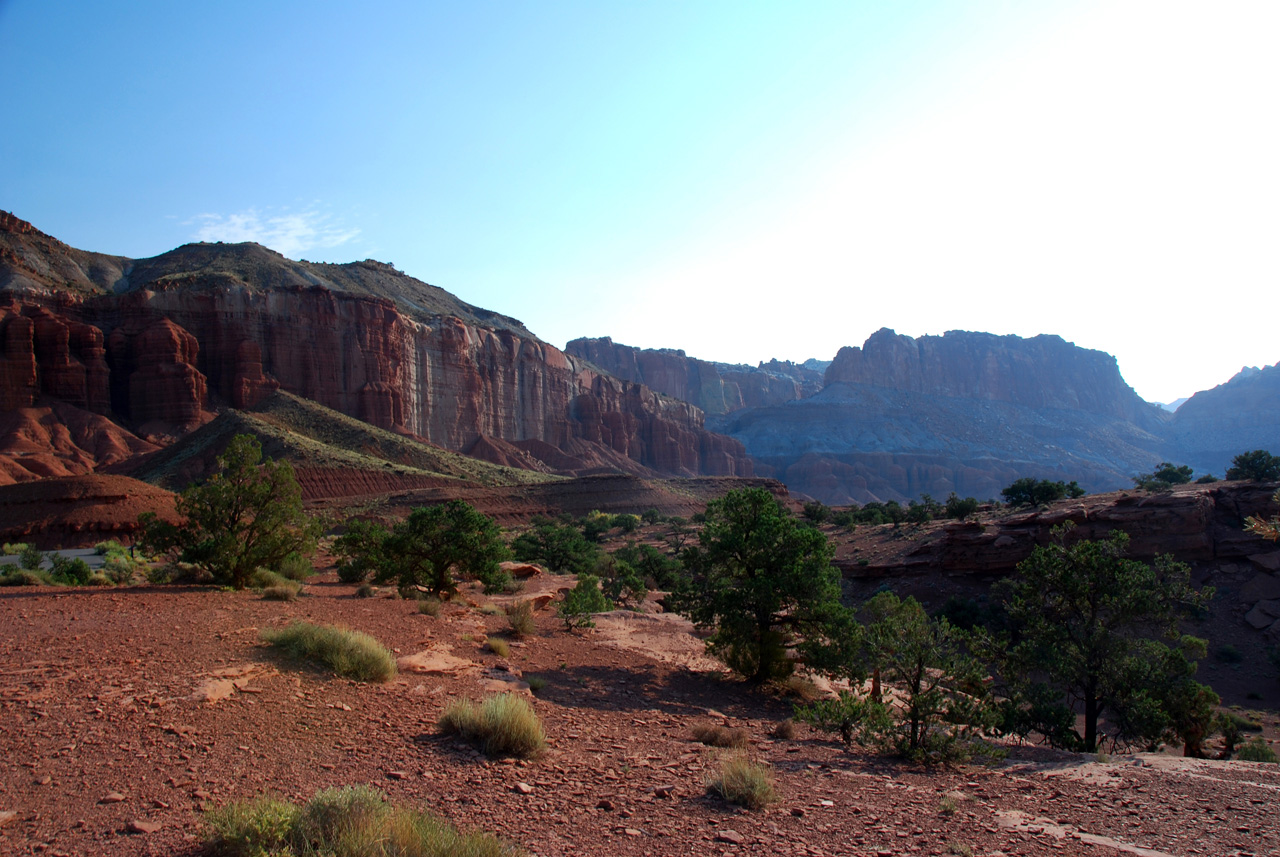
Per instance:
x=125, y=714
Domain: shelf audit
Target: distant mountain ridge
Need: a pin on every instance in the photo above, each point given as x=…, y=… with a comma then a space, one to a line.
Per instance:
x=965, y=412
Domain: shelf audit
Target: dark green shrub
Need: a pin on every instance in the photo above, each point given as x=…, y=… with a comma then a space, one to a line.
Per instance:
x=582, y=602
x=960, y=509
x=1257, y=750
x=350, y=654
x=559, y=547
x=656, y=569
x=620, y=581
x=1164, y=477
x=1257, y=465
x=247, y=516
x=1037, y=492
x=1228, y=654
x=627, y=523
x=1207, y=479
x=71, y=572
x=30, y=557
x=817, y=512
x=651, y=516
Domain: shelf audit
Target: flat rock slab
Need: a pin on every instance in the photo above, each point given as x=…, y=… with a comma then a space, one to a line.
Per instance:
x=1269, y=561
x=1263, y=587
x=1263, y=614
x=8, y=817
x=435, y=662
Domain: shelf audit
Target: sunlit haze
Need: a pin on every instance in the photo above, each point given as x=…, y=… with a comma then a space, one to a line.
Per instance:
x=741, y=180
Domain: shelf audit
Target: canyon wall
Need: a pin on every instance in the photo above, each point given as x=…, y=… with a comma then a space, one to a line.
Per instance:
x=716, y=388
x=171, y=343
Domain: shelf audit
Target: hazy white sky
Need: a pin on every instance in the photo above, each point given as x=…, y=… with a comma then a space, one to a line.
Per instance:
x=741, y=180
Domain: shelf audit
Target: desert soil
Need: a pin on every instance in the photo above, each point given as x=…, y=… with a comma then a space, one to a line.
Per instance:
x=140, y=709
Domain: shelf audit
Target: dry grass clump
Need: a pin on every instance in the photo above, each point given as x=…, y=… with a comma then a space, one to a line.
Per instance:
x=355, y=821
x=744, y=782
x=720, y=736
x=350, y=654
x=786, y=729
x=520, y=615
x=503, y=725
x=429, y=606
x=499, y=647
x=490, y=609
x=281, y=593
x=803, y=688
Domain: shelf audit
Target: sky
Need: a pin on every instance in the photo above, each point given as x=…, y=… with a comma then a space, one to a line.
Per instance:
x=742, y=180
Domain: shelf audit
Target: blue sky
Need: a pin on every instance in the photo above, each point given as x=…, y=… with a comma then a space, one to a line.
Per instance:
x=741, y=180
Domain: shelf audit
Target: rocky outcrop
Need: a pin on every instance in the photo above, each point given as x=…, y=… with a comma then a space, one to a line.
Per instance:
x=1194, y=524
x=1214, y=426
x=212, y=325
x=79, y=511
x=716, y=388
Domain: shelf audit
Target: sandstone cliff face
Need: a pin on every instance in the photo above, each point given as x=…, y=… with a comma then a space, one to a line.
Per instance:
x=716, y=388
x=1042, y=372
x=173, y=343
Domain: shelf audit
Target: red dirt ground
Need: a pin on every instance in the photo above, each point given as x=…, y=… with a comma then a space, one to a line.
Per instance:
x=100, y=694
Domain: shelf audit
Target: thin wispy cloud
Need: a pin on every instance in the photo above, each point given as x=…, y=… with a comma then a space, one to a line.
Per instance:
x=291, y=233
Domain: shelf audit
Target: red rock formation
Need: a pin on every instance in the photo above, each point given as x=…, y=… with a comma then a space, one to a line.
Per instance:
x=44, y=353
x=154, y=378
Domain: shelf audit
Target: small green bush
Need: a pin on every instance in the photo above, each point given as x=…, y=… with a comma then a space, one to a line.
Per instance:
x=503, y=725
x=350, y=654
x=109, y=547
x=355, y=821
x=119, y=568
x=1229, y=654
x=1256, y=750
x=744, y=782
x=720, y=736
x=582, y=602
x=520, y=617
x=265, y=579
x=14, y=548
x=296, y=567
x=30, y=557
x=68, y=571
x=23, y=577
x=535, y=682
